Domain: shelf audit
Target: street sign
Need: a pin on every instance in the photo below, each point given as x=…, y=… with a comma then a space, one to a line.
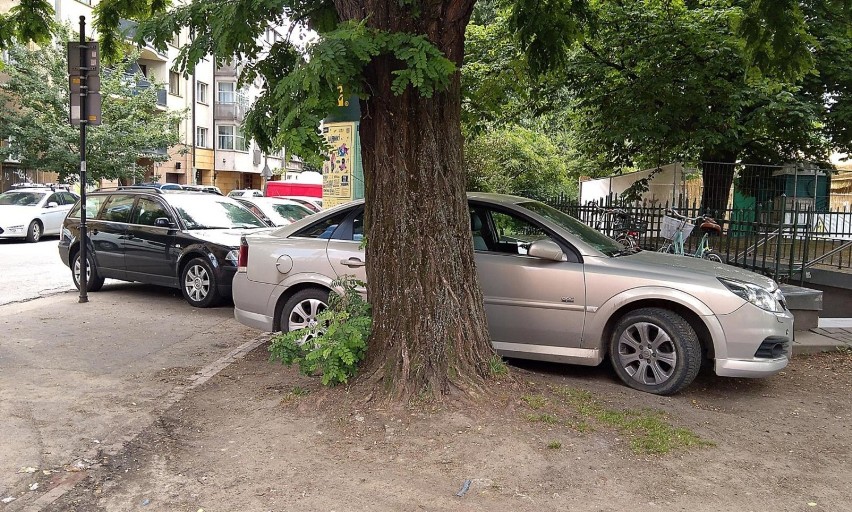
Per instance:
x=93, y=107
x=93, y=82
x=94, y=66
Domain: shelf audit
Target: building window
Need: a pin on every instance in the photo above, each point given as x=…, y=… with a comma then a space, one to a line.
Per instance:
x=201, y=93
x=201, y=137
x=240, y=140
x=175, y=40
x=226, y=137
x=226, y=92
x=174, y=83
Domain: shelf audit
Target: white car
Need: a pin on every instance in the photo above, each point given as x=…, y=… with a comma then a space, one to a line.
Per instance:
x=276, y=211
x=249, y=192
x=33, y=212
x=313, y=203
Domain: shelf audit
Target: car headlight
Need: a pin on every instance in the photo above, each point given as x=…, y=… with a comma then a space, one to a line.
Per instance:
x=233, y=256
x=757, y=295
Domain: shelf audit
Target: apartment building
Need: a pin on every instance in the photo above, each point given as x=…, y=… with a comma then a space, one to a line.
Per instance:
x=213, y=150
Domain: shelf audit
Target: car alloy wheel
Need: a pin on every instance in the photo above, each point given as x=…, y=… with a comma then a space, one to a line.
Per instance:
x=655, y=350
x=34, y=231
x=199, y=284
x=93, y=281
x=301, y=312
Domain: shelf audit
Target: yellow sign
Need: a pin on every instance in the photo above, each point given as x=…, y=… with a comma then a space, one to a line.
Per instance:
x=337, y=170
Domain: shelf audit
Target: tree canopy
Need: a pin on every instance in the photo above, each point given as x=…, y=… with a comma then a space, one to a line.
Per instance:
x=34, y=118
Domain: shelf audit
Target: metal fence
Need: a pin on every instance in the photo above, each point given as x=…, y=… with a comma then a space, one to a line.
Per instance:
x=776, y=238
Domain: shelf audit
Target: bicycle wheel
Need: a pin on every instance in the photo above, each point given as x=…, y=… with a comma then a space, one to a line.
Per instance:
x=627, y=241
x=712, y=256
x=666, y=248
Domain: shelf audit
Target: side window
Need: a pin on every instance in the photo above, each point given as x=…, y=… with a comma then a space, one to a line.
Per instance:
x=117, y=208
x=54, y=198
x=500, y=232
x=68, y=198
x=93, y=205
x=324, y=228
x=358, y=227
x=147, y=211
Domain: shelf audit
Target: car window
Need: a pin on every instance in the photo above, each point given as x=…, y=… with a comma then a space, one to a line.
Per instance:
x=323, y=228
x=148, y=211
x=93, y=205
x=207, y=211
x=501, y=232
x=21, y=198
x=290, y=212
x=54, y=198
x=358, y=227
x=117, y=208
x=68, y=197
x=585, y=233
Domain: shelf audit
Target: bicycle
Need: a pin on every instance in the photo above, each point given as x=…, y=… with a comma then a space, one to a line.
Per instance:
x=676, y=228
x=624, y=229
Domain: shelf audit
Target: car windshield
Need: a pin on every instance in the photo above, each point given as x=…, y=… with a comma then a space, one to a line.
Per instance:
x=290, y=213
x=21, y=198
x=588, y=235
x=213, y=212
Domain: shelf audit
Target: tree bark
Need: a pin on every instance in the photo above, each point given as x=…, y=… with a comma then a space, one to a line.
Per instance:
x=717, y=177
x=429, y=328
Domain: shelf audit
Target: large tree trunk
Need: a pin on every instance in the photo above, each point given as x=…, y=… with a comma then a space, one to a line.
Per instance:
x=717, y=170
x=429, y=328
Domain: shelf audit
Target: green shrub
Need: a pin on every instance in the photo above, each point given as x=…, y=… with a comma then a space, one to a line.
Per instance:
x=338, y=341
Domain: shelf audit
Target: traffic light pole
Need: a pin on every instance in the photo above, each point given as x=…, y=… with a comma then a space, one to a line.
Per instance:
x=84, y=116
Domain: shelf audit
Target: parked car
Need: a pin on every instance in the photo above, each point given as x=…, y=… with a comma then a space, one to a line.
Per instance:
x=313, y=203
x=276, y=211
x=203, y=188
x=555, y=290
x=31, y=213
x=249, y=192
x=160, y=186
x=180, y=239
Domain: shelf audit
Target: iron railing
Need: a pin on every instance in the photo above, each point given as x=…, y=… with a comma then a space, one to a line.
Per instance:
x=776, y=238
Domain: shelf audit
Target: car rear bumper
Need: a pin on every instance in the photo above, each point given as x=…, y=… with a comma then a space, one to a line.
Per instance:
x=256, y=320
x=251, y=303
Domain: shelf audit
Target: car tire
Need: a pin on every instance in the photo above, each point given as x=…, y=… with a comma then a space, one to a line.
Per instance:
x=198, y=284
x=94, y=281
x=655, y=350
x=712, y=256
x=34, y=231
x=301, y=310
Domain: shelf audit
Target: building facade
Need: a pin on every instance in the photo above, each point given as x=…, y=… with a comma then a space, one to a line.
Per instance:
x=214, y=149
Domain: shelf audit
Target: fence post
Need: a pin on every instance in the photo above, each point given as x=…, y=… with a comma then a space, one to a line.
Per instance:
x=793, y=240
x=780, y=237
x=807, y=244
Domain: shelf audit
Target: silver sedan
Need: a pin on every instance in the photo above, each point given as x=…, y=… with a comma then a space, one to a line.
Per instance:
x=555, y=290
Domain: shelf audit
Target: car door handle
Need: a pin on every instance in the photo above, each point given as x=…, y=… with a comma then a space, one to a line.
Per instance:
x=352, y=263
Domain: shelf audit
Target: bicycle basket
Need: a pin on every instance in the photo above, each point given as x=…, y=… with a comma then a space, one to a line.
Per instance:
x=671, y=225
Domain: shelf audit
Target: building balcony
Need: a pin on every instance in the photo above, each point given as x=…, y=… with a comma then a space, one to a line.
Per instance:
x=230, y=112
x=227, y=69
x=127, y=28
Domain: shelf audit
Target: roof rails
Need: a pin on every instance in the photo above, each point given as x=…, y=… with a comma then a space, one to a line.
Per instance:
x=129, y=187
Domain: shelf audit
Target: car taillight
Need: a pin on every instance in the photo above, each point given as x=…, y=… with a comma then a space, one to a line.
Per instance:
x=242, y=260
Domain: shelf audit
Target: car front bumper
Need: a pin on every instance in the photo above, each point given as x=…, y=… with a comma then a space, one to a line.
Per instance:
x=746, y=330
x=13, y=231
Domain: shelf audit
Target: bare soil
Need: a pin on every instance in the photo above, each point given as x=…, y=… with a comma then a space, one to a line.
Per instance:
x=261, y=437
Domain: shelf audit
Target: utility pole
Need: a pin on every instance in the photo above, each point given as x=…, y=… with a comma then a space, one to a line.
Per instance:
x=84, y=80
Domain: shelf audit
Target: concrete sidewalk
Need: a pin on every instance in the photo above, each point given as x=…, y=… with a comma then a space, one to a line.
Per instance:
x=832, y=334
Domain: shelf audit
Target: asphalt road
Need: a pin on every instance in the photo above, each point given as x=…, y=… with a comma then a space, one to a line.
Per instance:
x=31, y=270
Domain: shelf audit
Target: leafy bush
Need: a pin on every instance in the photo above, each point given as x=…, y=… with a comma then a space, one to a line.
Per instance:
x=336, y=344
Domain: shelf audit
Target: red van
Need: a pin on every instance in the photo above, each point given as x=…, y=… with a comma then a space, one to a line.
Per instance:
x=292, y=188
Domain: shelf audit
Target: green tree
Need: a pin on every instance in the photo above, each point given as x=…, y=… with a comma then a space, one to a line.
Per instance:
x=660, y=82
x=519, y=161
x=34, y=117
x=402, y=58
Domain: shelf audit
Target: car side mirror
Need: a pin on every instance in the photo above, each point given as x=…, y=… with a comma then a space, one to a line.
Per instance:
x=547, y=250
x=52, y=204
x=163, y=222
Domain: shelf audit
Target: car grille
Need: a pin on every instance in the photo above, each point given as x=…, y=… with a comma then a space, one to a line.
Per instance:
x=773, y=347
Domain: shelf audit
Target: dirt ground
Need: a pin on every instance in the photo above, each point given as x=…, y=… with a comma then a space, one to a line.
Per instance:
x=261, y=437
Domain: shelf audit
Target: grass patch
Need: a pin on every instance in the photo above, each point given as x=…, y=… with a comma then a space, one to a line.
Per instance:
x=534, y=401
x=649, y=431
x=554, y=445
x=544, y=417
x=497, y=367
